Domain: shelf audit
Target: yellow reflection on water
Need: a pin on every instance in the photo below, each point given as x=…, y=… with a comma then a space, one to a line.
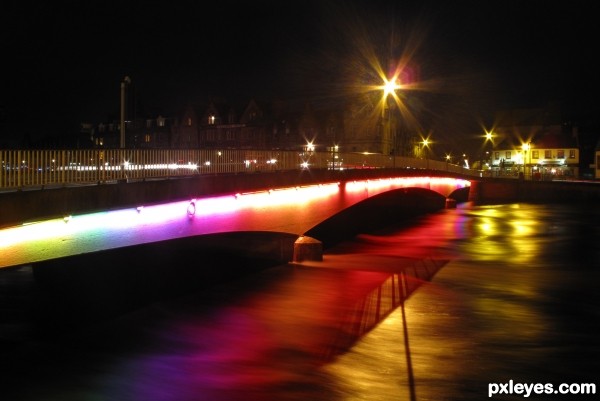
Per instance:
x=504, y=231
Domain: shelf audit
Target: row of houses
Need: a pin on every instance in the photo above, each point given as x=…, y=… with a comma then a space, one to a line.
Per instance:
x=532, y=142
x=275, y=125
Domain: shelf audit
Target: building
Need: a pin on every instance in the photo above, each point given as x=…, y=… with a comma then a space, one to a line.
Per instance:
x=534, y=144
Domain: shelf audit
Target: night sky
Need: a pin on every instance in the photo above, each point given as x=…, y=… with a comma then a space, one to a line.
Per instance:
x=64, y=62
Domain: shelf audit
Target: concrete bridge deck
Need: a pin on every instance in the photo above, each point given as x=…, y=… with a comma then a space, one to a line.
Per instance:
x=293, y=210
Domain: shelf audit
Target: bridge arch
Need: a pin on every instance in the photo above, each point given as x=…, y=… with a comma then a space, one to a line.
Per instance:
x=390, y=207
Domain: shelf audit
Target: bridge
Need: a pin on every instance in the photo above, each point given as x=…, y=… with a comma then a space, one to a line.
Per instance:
x=295, y=210
x=54, y=197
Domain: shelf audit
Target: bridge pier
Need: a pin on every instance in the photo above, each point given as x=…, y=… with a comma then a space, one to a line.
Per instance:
x=308, y=248
x=450, y=203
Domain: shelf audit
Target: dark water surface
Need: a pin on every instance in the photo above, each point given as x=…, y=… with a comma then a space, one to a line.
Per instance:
x=433, y=310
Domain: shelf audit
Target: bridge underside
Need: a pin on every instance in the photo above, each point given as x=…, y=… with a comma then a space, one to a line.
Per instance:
x=390, y=208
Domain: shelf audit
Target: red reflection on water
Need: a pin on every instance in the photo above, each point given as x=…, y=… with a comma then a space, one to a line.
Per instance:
x=278, y=334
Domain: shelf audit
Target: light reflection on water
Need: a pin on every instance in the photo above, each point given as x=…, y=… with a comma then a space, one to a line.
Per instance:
x=492, y=293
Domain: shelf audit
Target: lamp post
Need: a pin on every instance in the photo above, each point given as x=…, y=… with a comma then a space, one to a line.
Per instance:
x=425, y=151
x=425, y=147
x=526, y=158
x=489, y=137
x=389, y=87
x=126, y=81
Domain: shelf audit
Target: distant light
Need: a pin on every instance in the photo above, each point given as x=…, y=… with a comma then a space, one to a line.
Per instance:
x=68, y=218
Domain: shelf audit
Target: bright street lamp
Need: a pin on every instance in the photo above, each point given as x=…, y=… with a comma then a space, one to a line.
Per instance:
x=424, y=144
x=390, y=87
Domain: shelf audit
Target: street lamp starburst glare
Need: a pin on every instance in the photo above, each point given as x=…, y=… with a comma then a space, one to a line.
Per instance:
x=390, y=87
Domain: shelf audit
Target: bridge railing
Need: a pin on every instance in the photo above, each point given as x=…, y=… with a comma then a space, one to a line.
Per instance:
x=46, y=168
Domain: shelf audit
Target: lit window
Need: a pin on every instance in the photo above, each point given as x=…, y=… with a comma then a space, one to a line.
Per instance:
x=189, y=121
x=160, y=121
x=535, y=154
x=560, y=154
x=547, y=154
x=572, y=153
x=508, y=154
x=211, y=120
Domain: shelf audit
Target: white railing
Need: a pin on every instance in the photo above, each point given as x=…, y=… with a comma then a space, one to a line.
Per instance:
x=21, y=169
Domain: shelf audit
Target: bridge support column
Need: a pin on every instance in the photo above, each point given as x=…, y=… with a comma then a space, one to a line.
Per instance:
x=450, y=203
x=474, y=191
x=308, y=248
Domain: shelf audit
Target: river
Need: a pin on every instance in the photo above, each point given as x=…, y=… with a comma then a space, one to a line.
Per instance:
x=442, y=307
